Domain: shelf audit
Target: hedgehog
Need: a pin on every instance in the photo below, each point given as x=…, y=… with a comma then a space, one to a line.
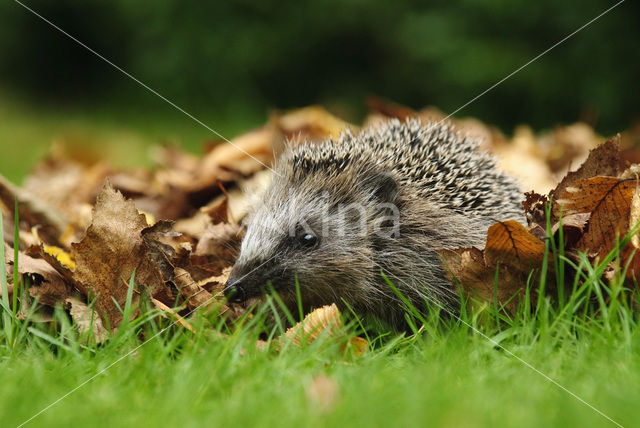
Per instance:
x=344, y=220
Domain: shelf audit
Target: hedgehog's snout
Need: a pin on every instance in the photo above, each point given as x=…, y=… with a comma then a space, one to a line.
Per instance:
x=247, y=281
x=234, y=291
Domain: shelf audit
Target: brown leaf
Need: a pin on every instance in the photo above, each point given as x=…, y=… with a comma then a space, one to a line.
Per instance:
x=47, y=284
x=246, y=195
x=174, y=158
x=467, y=267
x=33, y=211
x=523, y=158
x=158, y=251
x=173, y=314
x=573, y=227
x=604, y=160
x=112, y=249
x=217, y=209
x=69, y=185
x=584, y=196
x=195, y=226
x=218, y=248
x=569, y=144
x=634, y=215
x=192, y=293
x=310, y=124
x=86, y=319
x=535, y=208
x=216, y=283
x=509, y=243
x=245, y=154
x=389, y=109
x=322, y=321
x=610, y=205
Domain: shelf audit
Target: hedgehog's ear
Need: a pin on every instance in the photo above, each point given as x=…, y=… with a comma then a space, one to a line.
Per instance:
x=382, y=186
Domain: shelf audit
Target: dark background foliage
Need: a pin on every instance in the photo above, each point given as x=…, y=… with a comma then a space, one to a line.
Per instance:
x=258, y=55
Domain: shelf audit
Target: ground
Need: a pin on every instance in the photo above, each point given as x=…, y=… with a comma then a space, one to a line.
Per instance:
x=458, y=379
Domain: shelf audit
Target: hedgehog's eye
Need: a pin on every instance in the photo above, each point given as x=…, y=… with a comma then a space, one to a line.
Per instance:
x=308, y=240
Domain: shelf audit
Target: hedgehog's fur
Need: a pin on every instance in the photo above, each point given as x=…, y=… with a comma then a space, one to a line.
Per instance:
x=447, y=194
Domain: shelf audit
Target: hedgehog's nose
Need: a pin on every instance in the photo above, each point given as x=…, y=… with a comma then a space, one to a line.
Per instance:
x=234, y=291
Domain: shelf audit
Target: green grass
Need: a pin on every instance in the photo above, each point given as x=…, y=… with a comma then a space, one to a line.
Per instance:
x=442, y=377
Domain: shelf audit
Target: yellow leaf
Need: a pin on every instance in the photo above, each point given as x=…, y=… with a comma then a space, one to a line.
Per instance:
x=61, y=255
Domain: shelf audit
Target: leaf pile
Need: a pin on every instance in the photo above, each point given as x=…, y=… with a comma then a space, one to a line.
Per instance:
x=85, y=228
x=592, y=210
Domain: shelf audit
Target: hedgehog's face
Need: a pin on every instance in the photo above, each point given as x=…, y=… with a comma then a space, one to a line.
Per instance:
x=326, y=243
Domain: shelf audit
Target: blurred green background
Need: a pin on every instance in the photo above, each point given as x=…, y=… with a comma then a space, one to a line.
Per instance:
x=229, y=63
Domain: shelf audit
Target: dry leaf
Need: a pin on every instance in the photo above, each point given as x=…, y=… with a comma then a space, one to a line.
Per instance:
x=46, y=283
x=218, y=248
x=65, y=258
x=174, y=315
x=604, y=160
x=388, y=108
x=86, y=319
x=584, y=196
x=573, y=227
x=109, y=254
x=325, y=320
x=245, y=154
x=195, y=226
x=322, y=394
x=466, y=266
x=634, y=215
x=218, y=209
x=509, y=243
x=311, y=124
x=535, y=208
x=609, y=220
x=192, y=293
x=523, y=158
x=33, y=211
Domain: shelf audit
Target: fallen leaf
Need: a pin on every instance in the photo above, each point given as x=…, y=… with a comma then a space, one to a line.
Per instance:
x=191, y=292
x=311, y=124
x=509, y=243
x=218, y=209
x=325, y=320
x=573, y=227
x=466, y=267
x=174, y=315
x=33, y=211
x=322, y=394
x=109, y=254
x=634, y=215
x=158, y=249
x=245, y=154
x=86, y=319
x=388, y=108
x=61, y=255
x=535, y=208
x=610, y=206
x=584, y=196
x=523, y=158
x=46, y=283
x=604, y=160
x=218, y=248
